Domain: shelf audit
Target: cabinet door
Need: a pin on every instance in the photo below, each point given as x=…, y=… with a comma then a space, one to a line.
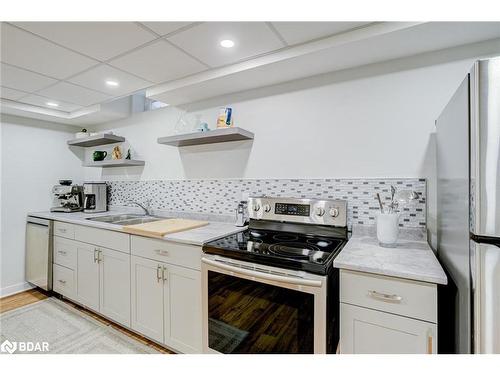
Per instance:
x=366, y=331
x=115, y=285
x=147, y=297
x=87, y=276
x=183, y=316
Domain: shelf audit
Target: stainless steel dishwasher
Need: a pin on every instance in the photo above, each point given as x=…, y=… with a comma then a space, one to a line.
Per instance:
x=39, y=252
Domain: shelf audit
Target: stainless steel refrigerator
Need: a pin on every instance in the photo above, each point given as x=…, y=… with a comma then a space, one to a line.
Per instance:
x=468, y=202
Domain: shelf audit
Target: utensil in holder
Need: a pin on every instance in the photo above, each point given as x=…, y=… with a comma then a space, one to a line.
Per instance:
x=388, y=228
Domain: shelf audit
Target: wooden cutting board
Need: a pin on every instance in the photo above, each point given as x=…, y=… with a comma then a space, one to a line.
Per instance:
x=160, y=228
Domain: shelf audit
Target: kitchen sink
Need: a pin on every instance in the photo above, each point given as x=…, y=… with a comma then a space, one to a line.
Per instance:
x=126, y=219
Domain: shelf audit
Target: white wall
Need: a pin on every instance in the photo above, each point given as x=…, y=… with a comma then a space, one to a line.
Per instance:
x=34, y=156
x=376, y=121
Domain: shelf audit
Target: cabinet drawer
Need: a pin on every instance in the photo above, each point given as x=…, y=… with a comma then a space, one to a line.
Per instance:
x=398, y=296
x=65, y=252
x=367, y=331
x=64, y=230
x=64, y=281
x=166, y=251
x=103, y=237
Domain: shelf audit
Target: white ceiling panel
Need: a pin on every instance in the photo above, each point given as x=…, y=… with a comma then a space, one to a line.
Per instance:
x=23, y=80
x=96, y=78
x=11, y=94
x=41, y=101
x=300, y=32
x=250, y=38
x=101, y=40
x=70, y=93
x=158, y=62
x=28, y=51
x=164, y=28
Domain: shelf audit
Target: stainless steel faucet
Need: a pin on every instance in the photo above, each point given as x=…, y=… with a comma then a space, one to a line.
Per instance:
x=144, y=207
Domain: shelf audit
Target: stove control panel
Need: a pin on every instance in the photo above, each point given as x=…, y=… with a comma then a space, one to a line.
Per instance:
x=308, y=211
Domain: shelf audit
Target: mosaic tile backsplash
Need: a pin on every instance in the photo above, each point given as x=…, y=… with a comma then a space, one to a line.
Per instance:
x=220, y=197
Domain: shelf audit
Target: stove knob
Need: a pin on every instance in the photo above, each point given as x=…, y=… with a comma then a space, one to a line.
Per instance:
x=320, y=211
x=267, y=208
x=334, y=212
x=256, y=207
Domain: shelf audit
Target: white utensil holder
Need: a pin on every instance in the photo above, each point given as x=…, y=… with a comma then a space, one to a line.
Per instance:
x=388, y=228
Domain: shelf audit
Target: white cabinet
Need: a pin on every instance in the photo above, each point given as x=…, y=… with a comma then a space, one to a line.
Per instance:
x=166, y=304
x=149, y=285
x=103, y=238
x=147, y=297
x=103, y=281
x=386, y=315
x=87, y=275
x=64, y=281
x=182, y=307
x=367, y=331
x=114, y=285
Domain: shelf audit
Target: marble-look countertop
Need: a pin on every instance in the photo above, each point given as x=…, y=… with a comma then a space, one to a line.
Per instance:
x=411, y=258
x=197, y=236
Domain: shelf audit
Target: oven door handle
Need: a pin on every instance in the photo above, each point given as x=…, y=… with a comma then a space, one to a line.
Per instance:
x=262, y=275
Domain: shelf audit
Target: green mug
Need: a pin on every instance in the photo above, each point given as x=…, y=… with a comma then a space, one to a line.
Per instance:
x=99, y=155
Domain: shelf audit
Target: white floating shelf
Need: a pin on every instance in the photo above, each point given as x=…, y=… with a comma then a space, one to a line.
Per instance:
x=115, y=163
x=96, y=140
x=211, y=136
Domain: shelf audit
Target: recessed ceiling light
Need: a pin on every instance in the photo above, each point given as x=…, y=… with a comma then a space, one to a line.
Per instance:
x=227, y=43
x=52, y=104
x=112, y=83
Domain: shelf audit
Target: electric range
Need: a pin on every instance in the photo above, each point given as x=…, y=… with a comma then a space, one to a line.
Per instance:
x=272, y=288
x=296, y=248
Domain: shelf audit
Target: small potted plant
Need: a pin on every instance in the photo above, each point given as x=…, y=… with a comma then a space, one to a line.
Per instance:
x=388, y=217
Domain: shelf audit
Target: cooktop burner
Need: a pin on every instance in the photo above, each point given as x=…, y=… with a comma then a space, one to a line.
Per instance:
x=282, y=249
x=292, y=249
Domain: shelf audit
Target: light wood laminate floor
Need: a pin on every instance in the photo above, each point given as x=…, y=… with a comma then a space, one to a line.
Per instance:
x=34, y=295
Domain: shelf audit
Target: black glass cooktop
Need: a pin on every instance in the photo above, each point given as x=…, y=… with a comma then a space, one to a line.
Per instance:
x=281, y=249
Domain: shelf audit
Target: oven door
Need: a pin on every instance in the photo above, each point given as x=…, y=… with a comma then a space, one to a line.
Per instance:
x=251, y=308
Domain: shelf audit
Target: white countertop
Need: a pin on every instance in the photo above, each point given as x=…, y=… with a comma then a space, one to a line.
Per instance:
x=197, y=236
x=412, y=258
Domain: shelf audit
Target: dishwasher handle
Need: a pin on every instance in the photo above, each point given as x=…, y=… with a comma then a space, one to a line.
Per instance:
x=38, y=221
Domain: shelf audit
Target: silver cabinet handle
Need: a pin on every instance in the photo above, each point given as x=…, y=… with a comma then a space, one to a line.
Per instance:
x=99, y=256
x=159, y=273
x=96, y=255
x=161, y=252
x=62, y=230
x=384, y=297
x=163, y=273
x=62, y=281
x=62, y=252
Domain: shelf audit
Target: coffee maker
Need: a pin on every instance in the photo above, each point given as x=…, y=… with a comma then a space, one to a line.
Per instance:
x=95, y=197
x=67, y=197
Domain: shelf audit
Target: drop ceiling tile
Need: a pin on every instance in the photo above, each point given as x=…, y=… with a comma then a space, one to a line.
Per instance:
x=28, y=51
x=251, y=39
x=41, y=101
x=158, y=62
x=11, y=94
x=96, y=78
x=101, y=40
x=70, y=93
x=164, y=28
x=23, y=80
x=300, y=32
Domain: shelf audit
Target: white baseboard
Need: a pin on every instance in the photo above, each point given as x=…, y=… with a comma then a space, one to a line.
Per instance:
x=13, y=289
